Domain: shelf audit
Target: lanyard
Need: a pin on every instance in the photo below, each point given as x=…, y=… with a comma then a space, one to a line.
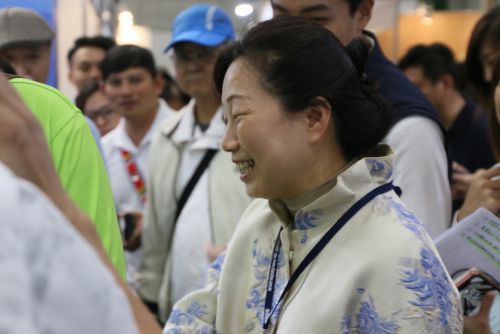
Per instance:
x=135, y=175
x=271, y=282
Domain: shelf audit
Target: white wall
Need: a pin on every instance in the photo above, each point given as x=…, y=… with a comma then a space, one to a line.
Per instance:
x=159, y=41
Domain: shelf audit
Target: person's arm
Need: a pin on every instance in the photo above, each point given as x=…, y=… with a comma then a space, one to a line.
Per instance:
x=24, y=150
x=77, y=160
x=421, y=170
x=484, y=191
x=196, y=312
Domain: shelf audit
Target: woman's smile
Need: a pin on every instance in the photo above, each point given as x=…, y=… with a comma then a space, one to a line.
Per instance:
x=244, y=168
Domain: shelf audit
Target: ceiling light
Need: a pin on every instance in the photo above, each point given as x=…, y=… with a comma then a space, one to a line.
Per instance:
x=243, y=9
x=126, y=18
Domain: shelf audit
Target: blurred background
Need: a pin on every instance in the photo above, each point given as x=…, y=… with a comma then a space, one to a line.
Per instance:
x=399, y=24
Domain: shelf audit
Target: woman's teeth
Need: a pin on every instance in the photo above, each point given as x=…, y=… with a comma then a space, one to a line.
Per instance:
x=245, y=166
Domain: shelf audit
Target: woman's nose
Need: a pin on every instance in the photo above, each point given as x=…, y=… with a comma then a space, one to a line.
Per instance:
x=230, y=140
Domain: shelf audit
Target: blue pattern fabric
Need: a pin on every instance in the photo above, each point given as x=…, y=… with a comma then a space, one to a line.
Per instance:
x=368, y=321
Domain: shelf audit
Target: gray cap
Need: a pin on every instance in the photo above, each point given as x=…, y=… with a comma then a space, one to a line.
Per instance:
x=20, y=27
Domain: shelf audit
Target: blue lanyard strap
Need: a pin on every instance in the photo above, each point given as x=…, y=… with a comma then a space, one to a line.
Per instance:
x=271, y=282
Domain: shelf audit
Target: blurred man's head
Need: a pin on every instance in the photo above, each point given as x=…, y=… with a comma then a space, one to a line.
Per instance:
x=345, y=18
x=85, y=57
x=130, y=80
x=25, y=40
x=433, y=69
x=198, y=33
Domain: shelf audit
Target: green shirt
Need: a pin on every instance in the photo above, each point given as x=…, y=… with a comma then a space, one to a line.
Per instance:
x=77, y=161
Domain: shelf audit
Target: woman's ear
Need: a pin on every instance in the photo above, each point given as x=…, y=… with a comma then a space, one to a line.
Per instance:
x=319, y=119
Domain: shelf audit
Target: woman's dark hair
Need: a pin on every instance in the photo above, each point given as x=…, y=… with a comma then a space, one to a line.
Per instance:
x=486, y=31
x=123, y=57
x=493, y=120
x=299, y=61
x=85, y=93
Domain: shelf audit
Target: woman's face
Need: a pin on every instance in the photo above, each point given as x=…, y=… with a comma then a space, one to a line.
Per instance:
x=269, y=146
x=99, y=109
x=497, y=101
x=489, y=55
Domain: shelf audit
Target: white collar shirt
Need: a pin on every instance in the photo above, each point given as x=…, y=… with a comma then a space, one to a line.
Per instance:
x=125, y=194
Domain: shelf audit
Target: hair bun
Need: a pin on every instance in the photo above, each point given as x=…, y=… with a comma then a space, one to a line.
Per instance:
x=359, y=50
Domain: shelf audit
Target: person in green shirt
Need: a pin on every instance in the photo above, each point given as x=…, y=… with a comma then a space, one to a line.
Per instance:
x=77, y=161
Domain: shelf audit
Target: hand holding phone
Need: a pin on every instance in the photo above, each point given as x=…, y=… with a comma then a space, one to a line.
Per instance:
x=129, y=221
x=132, y=230
x=473, y=285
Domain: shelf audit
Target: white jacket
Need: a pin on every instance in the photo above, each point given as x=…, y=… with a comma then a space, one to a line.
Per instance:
x=227, y=201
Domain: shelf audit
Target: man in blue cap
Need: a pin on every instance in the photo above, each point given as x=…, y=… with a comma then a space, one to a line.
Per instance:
x=195, y=197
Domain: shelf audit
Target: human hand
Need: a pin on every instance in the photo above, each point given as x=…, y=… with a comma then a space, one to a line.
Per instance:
x=213, y=251
x=484, y=191
x=461, y=180
x=133, y=223
x=480, y=322
x=23, y=147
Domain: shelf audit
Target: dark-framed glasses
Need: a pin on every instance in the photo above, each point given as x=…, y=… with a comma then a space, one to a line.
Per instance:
x=199, y=55
x=104, y=112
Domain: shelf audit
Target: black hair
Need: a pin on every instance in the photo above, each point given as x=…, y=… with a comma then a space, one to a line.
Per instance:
x=100, y=42
x=123, y=57
x=171, y=90
x=5, y=67
x=486, y=30
x=85, y=93
x=435, y=60
x=354, y=5
x=299, y=61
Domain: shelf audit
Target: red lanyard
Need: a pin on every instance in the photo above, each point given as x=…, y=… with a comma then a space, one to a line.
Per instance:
x=135, y=175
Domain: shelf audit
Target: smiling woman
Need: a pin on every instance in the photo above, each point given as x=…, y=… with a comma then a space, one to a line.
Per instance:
x=316, y=254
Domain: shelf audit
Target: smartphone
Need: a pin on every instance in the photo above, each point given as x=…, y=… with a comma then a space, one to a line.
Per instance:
x=473, y=285
x=129, y=220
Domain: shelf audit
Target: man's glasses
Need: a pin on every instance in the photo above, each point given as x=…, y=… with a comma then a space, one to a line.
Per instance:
x=105, y=112
x=200, y=55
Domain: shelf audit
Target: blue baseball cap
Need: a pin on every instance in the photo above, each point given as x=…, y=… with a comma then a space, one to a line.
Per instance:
x=202, y=24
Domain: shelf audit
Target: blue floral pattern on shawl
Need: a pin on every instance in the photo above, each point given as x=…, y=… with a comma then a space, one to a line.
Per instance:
x=368, y=321
x=425, y=277
x=429, y=282
x=257, y=294
x=380, y=169
x=195, y=310
x=305, y=220
x=189, y=315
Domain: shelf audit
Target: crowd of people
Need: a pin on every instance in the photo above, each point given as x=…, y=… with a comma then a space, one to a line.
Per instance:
x=289, y=180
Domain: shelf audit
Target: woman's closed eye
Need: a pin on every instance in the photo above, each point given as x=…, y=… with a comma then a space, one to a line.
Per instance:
x=240, y=112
